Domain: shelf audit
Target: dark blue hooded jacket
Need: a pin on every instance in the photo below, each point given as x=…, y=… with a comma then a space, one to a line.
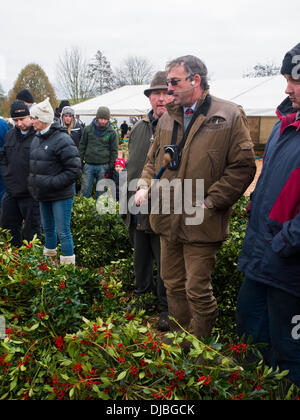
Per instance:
x=271, y=249
x=4, y=127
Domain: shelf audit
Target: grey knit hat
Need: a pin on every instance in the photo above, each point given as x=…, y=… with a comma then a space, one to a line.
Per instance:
x=103, y=112
x=67, y=110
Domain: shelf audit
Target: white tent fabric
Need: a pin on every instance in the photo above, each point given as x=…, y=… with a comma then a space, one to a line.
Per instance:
x=258, y=97
x=125, y=101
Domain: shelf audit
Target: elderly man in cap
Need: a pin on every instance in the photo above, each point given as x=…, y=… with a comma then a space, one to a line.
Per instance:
x=98, y=149
x=18, y=206
x=146, y=242
x=269, y=300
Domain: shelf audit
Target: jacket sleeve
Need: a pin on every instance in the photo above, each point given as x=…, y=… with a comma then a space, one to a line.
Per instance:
x=114, y=149
x=148, y=172
x=240, y=169
x=3, y=156
x=83, y=144
x=287, y=242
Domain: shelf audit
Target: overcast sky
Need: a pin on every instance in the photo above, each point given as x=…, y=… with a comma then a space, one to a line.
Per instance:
x=229, y=35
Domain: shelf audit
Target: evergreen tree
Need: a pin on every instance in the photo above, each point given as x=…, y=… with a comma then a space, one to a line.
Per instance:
x=100, y=71
x=34, y=78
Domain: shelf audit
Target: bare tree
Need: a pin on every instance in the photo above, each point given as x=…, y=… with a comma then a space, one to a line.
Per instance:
x=263, y=70
x=73, y=79
x=100, y=71
x=134, y=71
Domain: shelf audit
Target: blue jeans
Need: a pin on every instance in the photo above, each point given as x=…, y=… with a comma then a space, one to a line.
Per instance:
x=91, y=172
x=265, y=313
x=56, y=217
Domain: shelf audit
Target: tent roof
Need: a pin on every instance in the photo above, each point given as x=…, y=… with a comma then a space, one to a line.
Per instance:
x=258, y=97
x=125, y=101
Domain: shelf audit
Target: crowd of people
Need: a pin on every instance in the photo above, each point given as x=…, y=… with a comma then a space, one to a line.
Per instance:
x=42, y=157
x=189, y=134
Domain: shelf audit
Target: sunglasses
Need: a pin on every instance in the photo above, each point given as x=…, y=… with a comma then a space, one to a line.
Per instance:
x=174, y=82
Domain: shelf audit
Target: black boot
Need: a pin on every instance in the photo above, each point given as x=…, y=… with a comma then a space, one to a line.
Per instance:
x=164, y=322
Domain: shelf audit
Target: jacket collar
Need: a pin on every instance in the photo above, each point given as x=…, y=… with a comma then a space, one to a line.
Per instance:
x=22, y=136
x=176, y=111
x=287, y=115
x=55, y=126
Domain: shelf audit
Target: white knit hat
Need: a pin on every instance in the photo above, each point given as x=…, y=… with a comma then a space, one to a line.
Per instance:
x=43, y=112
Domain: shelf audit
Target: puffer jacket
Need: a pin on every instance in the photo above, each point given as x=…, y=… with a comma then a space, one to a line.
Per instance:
x=15, y=162
x=4, y=127
x=54, y=165
x=271, y=249
x=219, y=151
x=98, y=147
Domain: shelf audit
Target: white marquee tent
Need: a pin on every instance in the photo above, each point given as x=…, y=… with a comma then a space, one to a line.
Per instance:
x=258, y=96
x=125, y=101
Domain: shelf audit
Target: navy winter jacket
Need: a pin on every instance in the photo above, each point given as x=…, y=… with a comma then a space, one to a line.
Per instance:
x=271, y=249
x=15, y=162
x=4, y=127
x=54, y=165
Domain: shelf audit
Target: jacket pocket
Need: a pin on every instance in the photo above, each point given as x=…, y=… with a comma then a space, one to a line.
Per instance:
x=285, y=270
x=211, y=230
x=272, y=228
x=215, y=123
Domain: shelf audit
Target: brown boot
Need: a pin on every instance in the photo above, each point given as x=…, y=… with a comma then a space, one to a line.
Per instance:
x=202, y=328
x=179, y=309
x=203, y=324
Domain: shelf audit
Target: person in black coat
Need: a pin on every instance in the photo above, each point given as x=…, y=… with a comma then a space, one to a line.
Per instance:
x=124, y=129
x=20, y=211
x=54, y=168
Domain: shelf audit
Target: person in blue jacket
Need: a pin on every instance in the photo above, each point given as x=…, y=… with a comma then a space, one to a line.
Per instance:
x=4, y=127
x=268, y=307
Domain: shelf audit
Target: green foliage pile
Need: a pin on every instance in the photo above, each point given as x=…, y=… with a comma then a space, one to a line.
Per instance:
x=98, y=238
x=68, y=336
